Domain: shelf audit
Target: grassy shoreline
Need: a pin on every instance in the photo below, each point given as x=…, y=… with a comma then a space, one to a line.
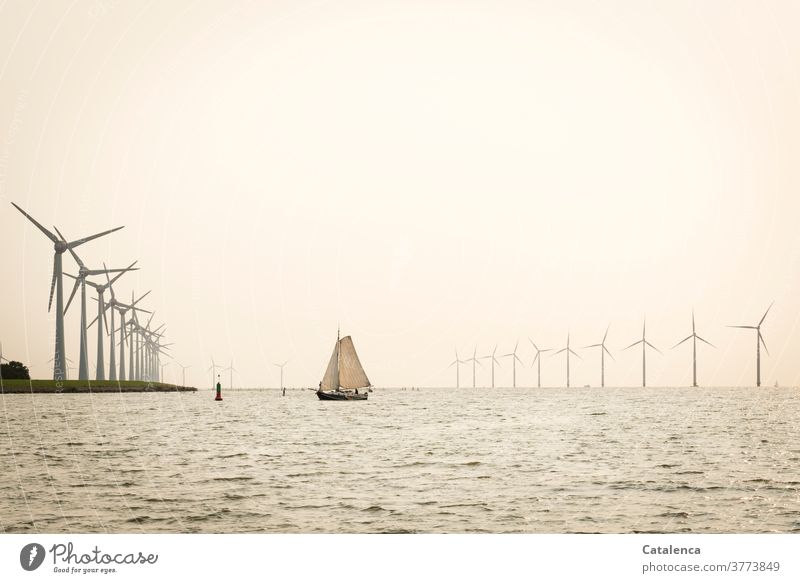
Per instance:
x=56, y=387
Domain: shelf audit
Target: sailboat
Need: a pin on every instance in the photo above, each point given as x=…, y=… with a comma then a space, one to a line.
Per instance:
x=344, y=375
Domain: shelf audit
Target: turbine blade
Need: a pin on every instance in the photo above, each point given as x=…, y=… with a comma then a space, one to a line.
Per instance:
x=764, y=317
x=83, y=240
x=592, y=346
x=559, y=352
x=129, y=268
x=634, y=344
x=760, y=337
x=105, y=322
x=576, y=354
x=52, y=285
x=746, y=327
x=609, y=353
x=706, y=341
x=72, y=295
x=533, y=344
x=653, y=347
x=681, y=342
x=49, y=235
x=91, y=323
x=606, y=334
x=140, y=299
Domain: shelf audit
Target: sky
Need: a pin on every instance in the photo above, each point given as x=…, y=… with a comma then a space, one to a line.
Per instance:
x=429, y=176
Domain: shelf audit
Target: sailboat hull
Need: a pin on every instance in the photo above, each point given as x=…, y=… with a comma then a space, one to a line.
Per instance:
x=340, y=396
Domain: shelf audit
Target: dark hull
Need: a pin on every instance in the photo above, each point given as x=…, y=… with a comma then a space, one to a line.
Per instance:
x=338, y=396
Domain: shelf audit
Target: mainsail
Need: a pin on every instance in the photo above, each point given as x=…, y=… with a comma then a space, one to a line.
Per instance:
x=351, y=373
x=330, y=382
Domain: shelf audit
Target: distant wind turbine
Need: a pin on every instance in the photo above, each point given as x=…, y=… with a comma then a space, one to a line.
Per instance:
x=183, y=372
x=603, y=352
x=759, y=342
x=474, y=360
x=281, y=367
x=493, y=360
x=213, y=368
x=514, y=359
x=232, y=370
x=569, y=351
x=457, y=362
x=644, y=344
x=694, y=337
x=537, y=360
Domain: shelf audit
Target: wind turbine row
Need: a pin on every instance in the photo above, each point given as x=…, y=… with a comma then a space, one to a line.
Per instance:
x=567, y=350
x=145, y=344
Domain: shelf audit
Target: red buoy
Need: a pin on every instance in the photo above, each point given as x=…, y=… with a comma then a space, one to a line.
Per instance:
x=219, y=392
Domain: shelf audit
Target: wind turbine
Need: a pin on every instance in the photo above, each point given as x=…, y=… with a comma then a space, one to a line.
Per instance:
x=493, y=360
x=474, y=361
x=280, y=366
x=60, y=245
x=694, y=338
x=457, y=362
x=644, y=344
x=538, y=359
x=183, y=372
x=569, y=351
x=114, y=304
x=603, y=352
x=213, y=368
x=759, y=342
x=514, y=360
x=232, y=370
x=101, y=313
x=80, y=281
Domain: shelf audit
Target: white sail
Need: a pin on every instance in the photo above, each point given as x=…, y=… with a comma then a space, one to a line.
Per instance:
x=351, y=373
x=330, y=382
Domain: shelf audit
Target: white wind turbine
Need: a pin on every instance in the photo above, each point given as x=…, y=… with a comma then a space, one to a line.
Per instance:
x=514, y=359
x=474, y=361
x=457, y=363
x=115, y=305
x=644, y=344
x=280, y=366
x=101, y=313
x=694, y=338
x=231, y=370
x=493, y=361
x=569, y=351
x=213, y=368
x=759, y=342
x=603, y=352
x=80, y=281
x=537, y=359
x=183, y=372
x=60, y=245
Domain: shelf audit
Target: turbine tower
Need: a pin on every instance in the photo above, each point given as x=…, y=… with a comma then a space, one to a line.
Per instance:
x=458, y=362
x=603, y=352
x=101, y=313
x=537, y=359
x=474, y=360
x=569, y=351
x=759, y=342
x=694, y=338
x=60, y=245
x=644, y=344
x=493, y=360
x=280, y=366
x=514, y=359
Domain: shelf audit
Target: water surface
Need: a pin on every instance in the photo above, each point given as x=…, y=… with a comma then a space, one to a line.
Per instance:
x=438, y=460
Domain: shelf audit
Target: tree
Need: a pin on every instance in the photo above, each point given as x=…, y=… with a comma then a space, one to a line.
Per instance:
x=14, y=370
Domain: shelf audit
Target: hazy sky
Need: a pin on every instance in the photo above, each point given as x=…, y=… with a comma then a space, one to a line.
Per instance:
x=431, y=175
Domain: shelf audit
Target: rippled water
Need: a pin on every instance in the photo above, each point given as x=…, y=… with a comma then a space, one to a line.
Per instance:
x=549, y=460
